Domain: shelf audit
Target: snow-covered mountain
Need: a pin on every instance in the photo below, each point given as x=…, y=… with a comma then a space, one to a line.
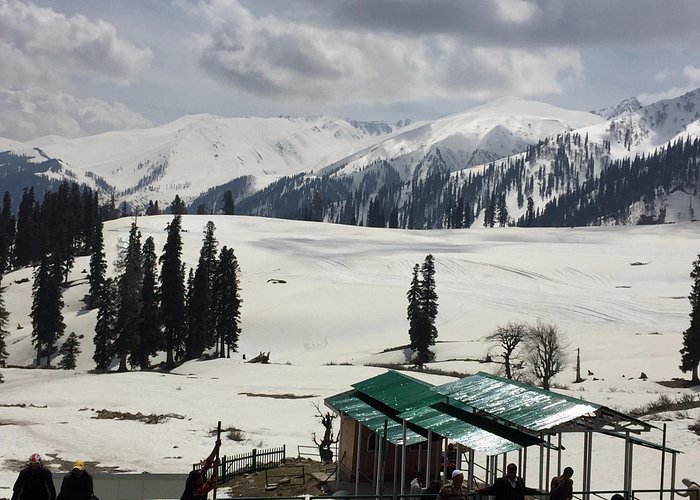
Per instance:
x=482, y=134
x=194, y=153
x=631, y=104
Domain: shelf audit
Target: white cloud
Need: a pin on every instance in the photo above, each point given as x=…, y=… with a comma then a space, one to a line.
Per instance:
x=516, y=11
x=283, y=58
x=34, y=112
x=49, y=47
x=692, y=74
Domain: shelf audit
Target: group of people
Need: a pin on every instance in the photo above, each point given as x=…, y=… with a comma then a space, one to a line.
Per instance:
x=512, y=487
x=35, y=482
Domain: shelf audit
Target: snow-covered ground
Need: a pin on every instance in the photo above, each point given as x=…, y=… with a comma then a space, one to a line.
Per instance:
x=617, y=293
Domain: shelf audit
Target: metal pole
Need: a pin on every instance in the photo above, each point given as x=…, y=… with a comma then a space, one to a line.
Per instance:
x=625, y=479
x=663, y=464
x=549, y=455
x=541, y=477
x=396, y=467
x=585, y=463
x=673, y=474
x=505, y=459
x=559, y=455
x=445, y=459
x=337, y=453
x=459, y=456
x=631, y=468
x=377, y=486
x=403, y=458
x=470, y=472
x=357, y=458
x=590, y=462
x=524, y=463
x=487, y=472
x=428, y=477
x=520, y=463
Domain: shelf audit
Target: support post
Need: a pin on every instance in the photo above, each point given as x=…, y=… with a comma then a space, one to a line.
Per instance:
x=549, y=456
x=428, y=459
x=357, y=458
x=585, y=466
x=590, y=463
x=673, y=474
x=445, y=458
x=458, y=463
x=525, y=464
x=217, y=465
x=541, y=476
x=663, y=464
x=403, y=458
x=470, y=471
x=625, y=476
x=559, y=455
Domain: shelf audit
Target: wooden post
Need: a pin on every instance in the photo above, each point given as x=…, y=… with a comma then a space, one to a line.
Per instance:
x=578, y=366
x=217, y=465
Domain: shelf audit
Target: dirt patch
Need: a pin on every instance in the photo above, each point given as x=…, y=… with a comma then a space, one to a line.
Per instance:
x=278, y=396
x=283, y=481
x=140, y=417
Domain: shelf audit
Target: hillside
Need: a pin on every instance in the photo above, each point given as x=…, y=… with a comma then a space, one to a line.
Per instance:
x=318, y=296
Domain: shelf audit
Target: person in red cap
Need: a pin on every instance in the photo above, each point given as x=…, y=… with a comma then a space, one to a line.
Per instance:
x=34, y=482
x=77, y=484
x=196, y=486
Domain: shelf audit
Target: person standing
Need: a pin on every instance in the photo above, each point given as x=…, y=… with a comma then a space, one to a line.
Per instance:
x=693, y=490
x=455, y=489
x=562, y=487
x=34, y=482
x=77, y=484
x=417, y=483
x=196, y=485
x=509, y=487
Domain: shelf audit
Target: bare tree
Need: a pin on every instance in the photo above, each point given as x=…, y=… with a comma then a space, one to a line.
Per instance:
x=329, y=439
x=545, y=352
x=508, y=338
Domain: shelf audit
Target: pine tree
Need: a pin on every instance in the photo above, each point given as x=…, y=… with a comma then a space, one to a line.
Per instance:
x=227, y=302
x=69, y=350
x=4, y=319
x=690, y=353
x=229, y=206
x=27, y=238
x=427, y=332
x=178, y=207
x=129, y=284
x=47, y=305
x=413, y=311
x=98, y=268
x=7, y=233
x=172, y=293
x=105, y=328
x=150, y=338
x=201, y=331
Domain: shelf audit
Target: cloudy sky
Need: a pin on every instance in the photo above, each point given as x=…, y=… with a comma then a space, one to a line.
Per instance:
x=76, y=67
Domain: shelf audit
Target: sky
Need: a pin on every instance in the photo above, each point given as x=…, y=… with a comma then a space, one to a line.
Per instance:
x=338, y=304
x=77, y=67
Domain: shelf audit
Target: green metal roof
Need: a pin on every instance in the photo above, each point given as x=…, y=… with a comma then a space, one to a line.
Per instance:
x=459, y=423
x=398, y=391
x=521, y=404
x=373, y=414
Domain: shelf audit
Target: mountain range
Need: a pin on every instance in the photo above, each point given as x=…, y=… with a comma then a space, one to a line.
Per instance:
x=275, y=166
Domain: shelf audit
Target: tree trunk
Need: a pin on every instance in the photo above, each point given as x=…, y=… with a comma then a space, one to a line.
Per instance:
x=695, y=379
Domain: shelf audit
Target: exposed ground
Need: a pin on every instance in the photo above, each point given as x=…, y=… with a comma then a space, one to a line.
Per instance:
x=283, y=481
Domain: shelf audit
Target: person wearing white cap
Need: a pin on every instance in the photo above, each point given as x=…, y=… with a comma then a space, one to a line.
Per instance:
x=77, y=484
x=455, y=489
x=693, y=490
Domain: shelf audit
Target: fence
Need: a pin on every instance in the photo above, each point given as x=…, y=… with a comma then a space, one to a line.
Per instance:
x=245, y=463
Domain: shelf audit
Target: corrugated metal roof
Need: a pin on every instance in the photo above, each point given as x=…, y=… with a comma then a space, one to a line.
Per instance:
x=521, y=404
x=373, y=414
x=474, y=431
x=398, y=391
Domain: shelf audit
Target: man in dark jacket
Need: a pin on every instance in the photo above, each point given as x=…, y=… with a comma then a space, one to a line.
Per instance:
x=510, y=487
x=34, y=482
x=77, y=484
x=562, y=487
x=197, y=487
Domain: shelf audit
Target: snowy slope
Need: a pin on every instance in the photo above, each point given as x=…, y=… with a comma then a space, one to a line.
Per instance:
x=194, y=153
x=485, y=133
x=649, y=127
x=343, y=301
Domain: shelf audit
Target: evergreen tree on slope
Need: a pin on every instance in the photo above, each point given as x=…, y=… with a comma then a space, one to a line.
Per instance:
x=105, y=328
x=47, y=305
x=130, y=284
x=150, y=338
x=172, y=293
x=690, y=353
